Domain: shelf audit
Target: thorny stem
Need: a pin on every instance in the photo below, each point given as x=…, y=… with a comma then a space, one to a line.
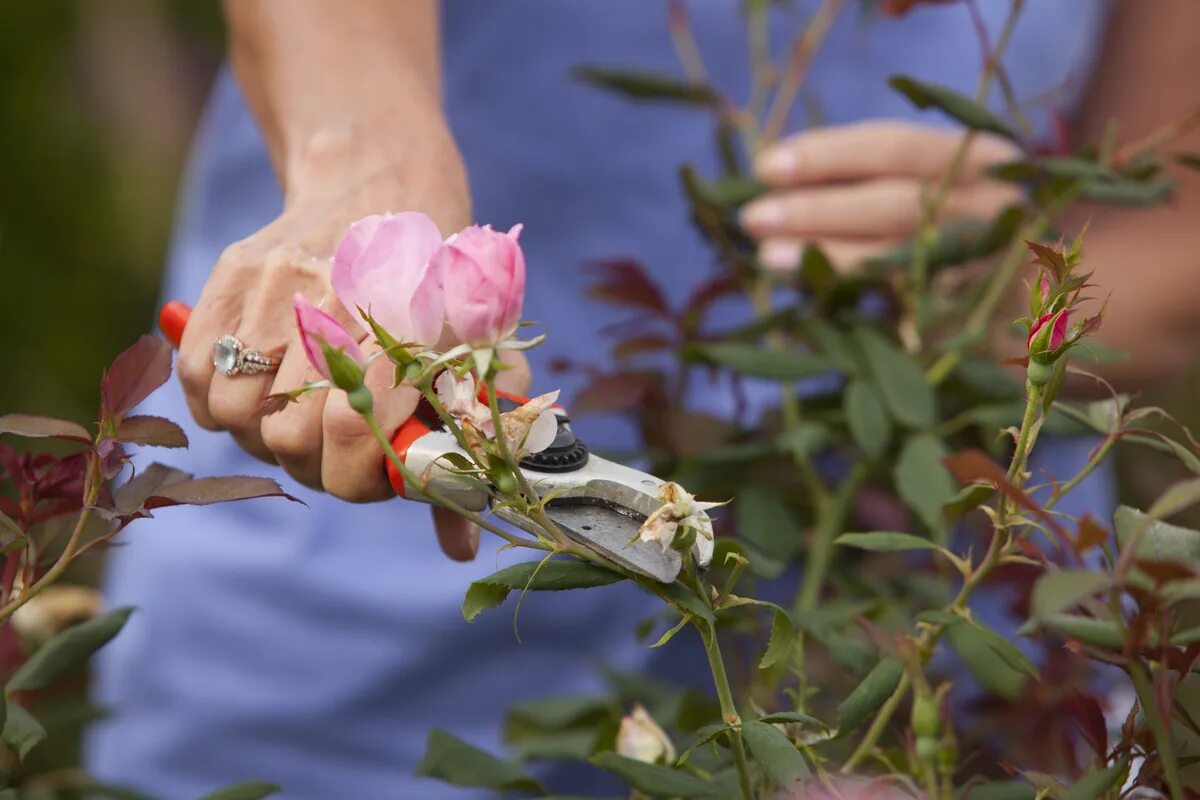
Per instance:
x=831, y=515
x=415, y=480
x=1162, y=738
x=729, y=714
x=93, y=482
x=803, y=50
x=927, y=232
x=1094, y=461
x=999, y=546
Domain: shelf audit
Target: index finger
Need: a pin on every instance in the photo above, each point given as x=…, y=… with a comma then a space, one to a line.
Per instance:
x=873, y=149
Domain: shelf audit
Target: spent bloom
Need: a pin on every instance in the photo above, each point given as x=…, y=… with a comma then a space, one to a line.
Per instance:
x=384, y=266
x=641, y=738
x=460, y=399
x=529, y=428
x=679, y=512
x=483, y=275
x=323, y=338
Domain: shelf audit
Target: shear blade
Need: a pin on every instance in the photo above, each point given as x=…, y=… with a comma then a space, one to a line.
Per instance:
x=614, y=535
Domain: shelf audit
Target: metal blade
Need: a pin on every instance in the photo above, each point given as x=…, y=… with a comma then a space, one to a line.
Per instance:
x=612, y=533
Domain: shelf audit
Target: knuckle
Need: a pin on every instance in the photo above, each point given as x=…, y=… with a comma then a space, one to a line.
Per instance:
x=288, y=438
x=229, y=411
x=343, y=424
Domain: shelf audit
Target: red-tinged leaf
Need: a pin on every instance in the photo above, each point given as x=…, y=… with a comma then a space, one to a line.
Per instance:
x=704, y=296
x=1089, y=534
x=151, y=431
x=1089, y=716
x=129, y=497
x=1016, y=361
x=1161, y=571
x=625, y=282
x=33, y=427
x=134, y=375
x=636, y=345
x=206, y=491
x=1051, y=257
x=274, y=403
x=615, y=392
x=898, y=8
x=971, y=466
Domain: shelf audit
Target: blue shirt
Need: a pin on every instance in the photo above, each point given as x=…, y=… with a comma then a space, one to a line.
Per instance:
x=315, y=646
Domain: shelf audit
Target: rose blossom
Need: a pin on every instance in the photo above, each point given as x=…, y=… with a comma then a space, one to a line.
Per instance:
x=317, y=328
x=641, y=738
x=483, y=275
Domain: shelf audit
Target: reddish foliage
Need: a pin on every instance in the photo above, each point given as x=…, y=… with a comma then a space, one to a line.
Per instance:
x=625, y=282
x=898, y=8
x=972, y=465
x=1089, y=534
x=134, y=374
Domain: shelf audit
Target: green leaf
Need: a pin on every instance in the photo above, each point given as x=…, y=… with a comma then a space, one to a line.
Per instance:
x=1058, y=591
x=1158, y=540
x=867, y=418
x=766, y=522
x=994, y=673
x=637, y=84
x=783, y=636
x=654, y=779
x=900, y=380
x=67, y=651
x=1089, y=630
x=460, y=764
x=246, y=790
x=869, y=695
x=952, y=103
x=803, y=440
x=781, y=762
x=1006, y=790
x=686, y=601
x=817, y=274
x=1129, y=192
x=21, y=731
x=1176, y=498
x=885, y=541
x=1095, y=784
x=792, y=716
x=669, y=634
x=555, y=575
x=730, y=191
x=922, y=480
x=757, y=361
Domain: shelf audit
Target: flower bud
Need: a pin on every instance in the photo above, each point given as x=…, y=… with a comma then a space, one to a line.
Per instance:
x=345, y=373
x=927, y=748
x=641, y=738
x=925, y=716
x=324, y=338
x=1046, y=335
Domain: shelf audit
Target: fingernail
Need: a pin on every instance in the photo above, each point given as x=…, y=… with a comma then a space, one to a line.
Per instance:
x=780, y=256
x=777, y=162
x=762, y=214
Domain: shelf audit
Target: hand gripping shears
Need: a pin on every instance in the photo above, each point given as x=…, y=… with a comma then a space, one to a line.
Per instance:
x=596, y=502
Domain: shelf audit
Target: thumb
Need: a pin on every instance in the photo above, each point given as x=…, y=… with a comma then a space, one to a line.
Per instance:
x=458, y=537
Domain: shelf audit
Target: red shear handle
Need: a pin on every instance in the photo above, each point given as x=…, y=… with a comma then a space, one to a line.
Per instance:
x=173, y=318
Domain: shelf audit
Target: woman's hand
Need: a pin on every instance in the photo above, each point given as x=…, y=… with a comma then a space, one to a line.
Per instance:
x=856, y=190
x=320, y=441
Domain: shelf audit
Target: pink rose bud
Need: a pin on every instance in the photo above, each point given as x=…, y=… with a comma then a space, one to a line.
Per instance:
x=1047, y=334
x=323, y=337
x=383, y=267
x=483, y=276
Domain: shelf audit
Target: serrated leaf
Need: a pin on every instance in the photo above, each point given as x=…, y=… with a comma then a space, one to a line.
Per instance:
x=151, y=432
x=922, y=480
x=35, y=427
x=994, y=673
x=954, y=104
x=554, y=575
x=900, y=380
x=867, y=418
x=246, y=790
x=799, y=717
x=885, y=541
x=21, y=731
x=133, y=375
x=781, y=762
x=458, y=763
x=757, y=361
x=1058, y=591
x=206, y=491
x=67, y=651
x=869, y=695
x=654, y=779
x=783, y=636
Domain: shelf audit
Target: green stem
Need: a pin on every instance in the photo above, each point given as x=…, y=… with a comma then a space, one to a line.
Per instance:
x=803, y=50
x=1162, y=738
x=729, y=712
x=436, y=499
x=831, y=517
x=1030, y=425
x=1096, y=459
x=886, y=712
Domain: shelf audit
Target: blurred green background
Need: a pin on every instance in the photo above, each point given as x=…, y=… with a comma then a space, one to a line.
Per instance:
x=97, y=105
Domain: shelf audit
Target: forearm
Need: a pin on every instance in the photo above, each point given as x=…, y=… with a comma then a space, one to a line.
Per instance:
x=322, y=76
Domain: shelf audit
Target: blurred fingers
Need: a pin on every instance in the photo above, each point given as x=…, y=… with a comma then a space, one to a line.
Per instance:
x=458, y=537
x=846, y=255
x=874, y=149
x=294, y=434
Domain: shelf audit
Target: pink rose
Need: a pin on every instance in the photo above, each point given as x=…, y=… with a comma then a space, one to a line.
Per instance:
x=1048, y=333
x=383, y=267
x=317, y=328
x=483, y=275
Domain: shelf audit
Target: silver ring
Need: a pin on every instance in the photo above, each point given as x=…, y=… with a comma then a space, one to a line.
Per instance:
x=231, y=357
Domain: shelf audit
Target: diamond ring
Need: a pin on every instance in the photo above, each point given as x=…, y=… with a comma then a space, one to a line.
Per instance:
x=231, y=357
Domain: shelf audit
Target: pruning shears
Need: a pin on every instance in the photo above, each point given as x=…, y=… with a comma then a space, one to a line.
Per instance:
x=598, y=503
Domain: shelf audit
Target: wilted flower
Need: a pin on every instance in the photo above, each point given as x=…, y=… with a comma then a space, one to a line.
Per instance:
x=55, y=609
x=679, y=513
x=483, y=275
x=641, y=738
x=330, y=348
x=460, y=400
x=384, y=267
x=529, y=428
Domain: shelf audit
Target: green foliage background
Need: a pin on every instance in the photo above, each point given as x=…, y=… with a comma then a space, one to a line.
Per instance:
x=97, y=103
